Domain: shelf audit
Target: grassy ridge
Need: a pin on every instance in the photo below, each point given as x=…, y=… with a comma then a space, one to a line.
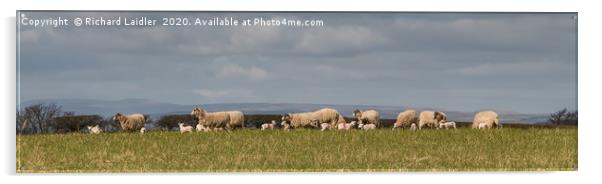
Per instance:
x=302, y=150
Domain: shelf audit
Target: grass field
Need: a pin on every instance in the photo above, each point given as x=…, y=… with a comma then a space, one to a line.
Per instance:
x=302, y=150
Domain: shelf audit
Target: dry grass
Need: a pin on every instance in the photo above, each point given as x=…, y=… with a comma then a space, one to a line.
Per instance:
x=302, y=150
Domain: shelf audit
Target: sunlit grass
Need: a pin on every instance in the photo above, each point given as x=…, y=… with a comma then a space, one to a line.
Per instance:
x=302, y=150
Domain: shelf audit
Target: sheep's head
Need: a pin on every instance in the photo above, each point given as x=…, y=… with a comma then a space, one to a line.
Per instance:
x=198, y=112
x=119, y=117
x=357, y=114
x=181, y=124
x=89, y=127
x=286, y=118
x=314, y=122
x=440, y=116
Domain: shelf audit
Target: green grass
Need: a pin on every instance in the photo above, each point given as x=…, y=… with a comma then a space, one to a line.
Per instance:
x=302, y=150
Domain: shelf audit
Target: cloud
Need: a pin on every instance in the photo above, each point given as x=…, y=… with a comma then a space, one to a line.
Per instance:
x=339, y=38
x=221, y=93
x=506, y=68
x=408, y=57
x=238, y=71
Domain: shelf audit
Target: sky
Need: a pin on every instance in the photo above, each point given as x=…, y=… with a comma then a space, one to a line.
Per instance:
x=520, y=62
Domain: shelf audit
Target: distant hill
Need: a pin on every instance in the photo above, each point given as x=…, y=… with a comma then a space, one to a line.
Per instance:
x=110, y=107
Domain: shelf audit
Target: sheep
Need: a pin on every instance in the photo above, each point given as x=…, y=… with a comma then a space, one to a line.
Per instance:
x=431, y=119
x=142, y=130
x=297, y=120
x=184, y=128
x=268, y=125
x=94, y=129
x=413, y=127
x=130, y=122
x=326, y=115
x=405, y=118
x=488, y=117
x=237, y=119
x=346, y=126
x=367, y=117
x=367, y=126
x=211, y=120
x=447, y=125
x=325, y=126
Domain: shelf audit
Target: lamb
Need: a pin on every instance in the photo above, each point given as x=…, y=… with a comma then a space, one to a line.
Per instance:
x=346, y=126
x=413, y=127
x=488, y=117
x=484, y=125
x=405, y=118
x=142, y=130
x=367, y=126
x=431, y=119
x=185, y=128
x=367, y=117
x=130, y=122
x=285, y=126
x=94, y=129
x=201, y=128
x=211, y=120
x=341, y=120
x=325, y=126
x=447, y=125
x=268, y=125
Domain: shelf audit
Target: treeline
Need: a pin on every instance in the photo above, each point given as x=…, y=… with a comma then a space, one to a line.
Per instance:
x=50, y=118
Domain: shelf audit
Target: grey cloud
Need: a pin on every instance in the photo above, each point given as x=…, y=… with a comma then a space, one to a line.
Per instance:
x=520, y=62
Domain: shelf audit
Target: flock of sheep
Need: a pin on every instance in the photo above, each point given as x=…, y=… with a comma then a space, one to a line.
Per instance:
x=324, y=119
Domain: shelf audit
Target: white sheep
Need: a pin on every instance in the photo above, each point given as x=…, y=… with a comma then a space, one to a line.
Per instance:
x=185, y=128
x=367, y=126
x=326, y=115
x=405, y=118
x=237, y=119
x=431, y=119
x=94, y=129
x=488, y=117
x=413, y=127
x=142, y=130
x=130, y=122
x=270, y=126
x=367, y=117
x=211, y=120
x=447, y=125
x=297, y=120
x=346, y=126
x=325, y=126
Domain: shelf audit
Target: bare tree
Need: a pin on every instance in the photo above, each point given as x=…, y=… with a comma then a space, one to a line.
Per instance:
x=564, y=117
x=37, y=117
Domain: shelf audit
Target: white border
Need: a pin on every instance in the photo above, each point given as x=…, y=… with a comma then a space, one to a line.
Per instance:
x=589, y=89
